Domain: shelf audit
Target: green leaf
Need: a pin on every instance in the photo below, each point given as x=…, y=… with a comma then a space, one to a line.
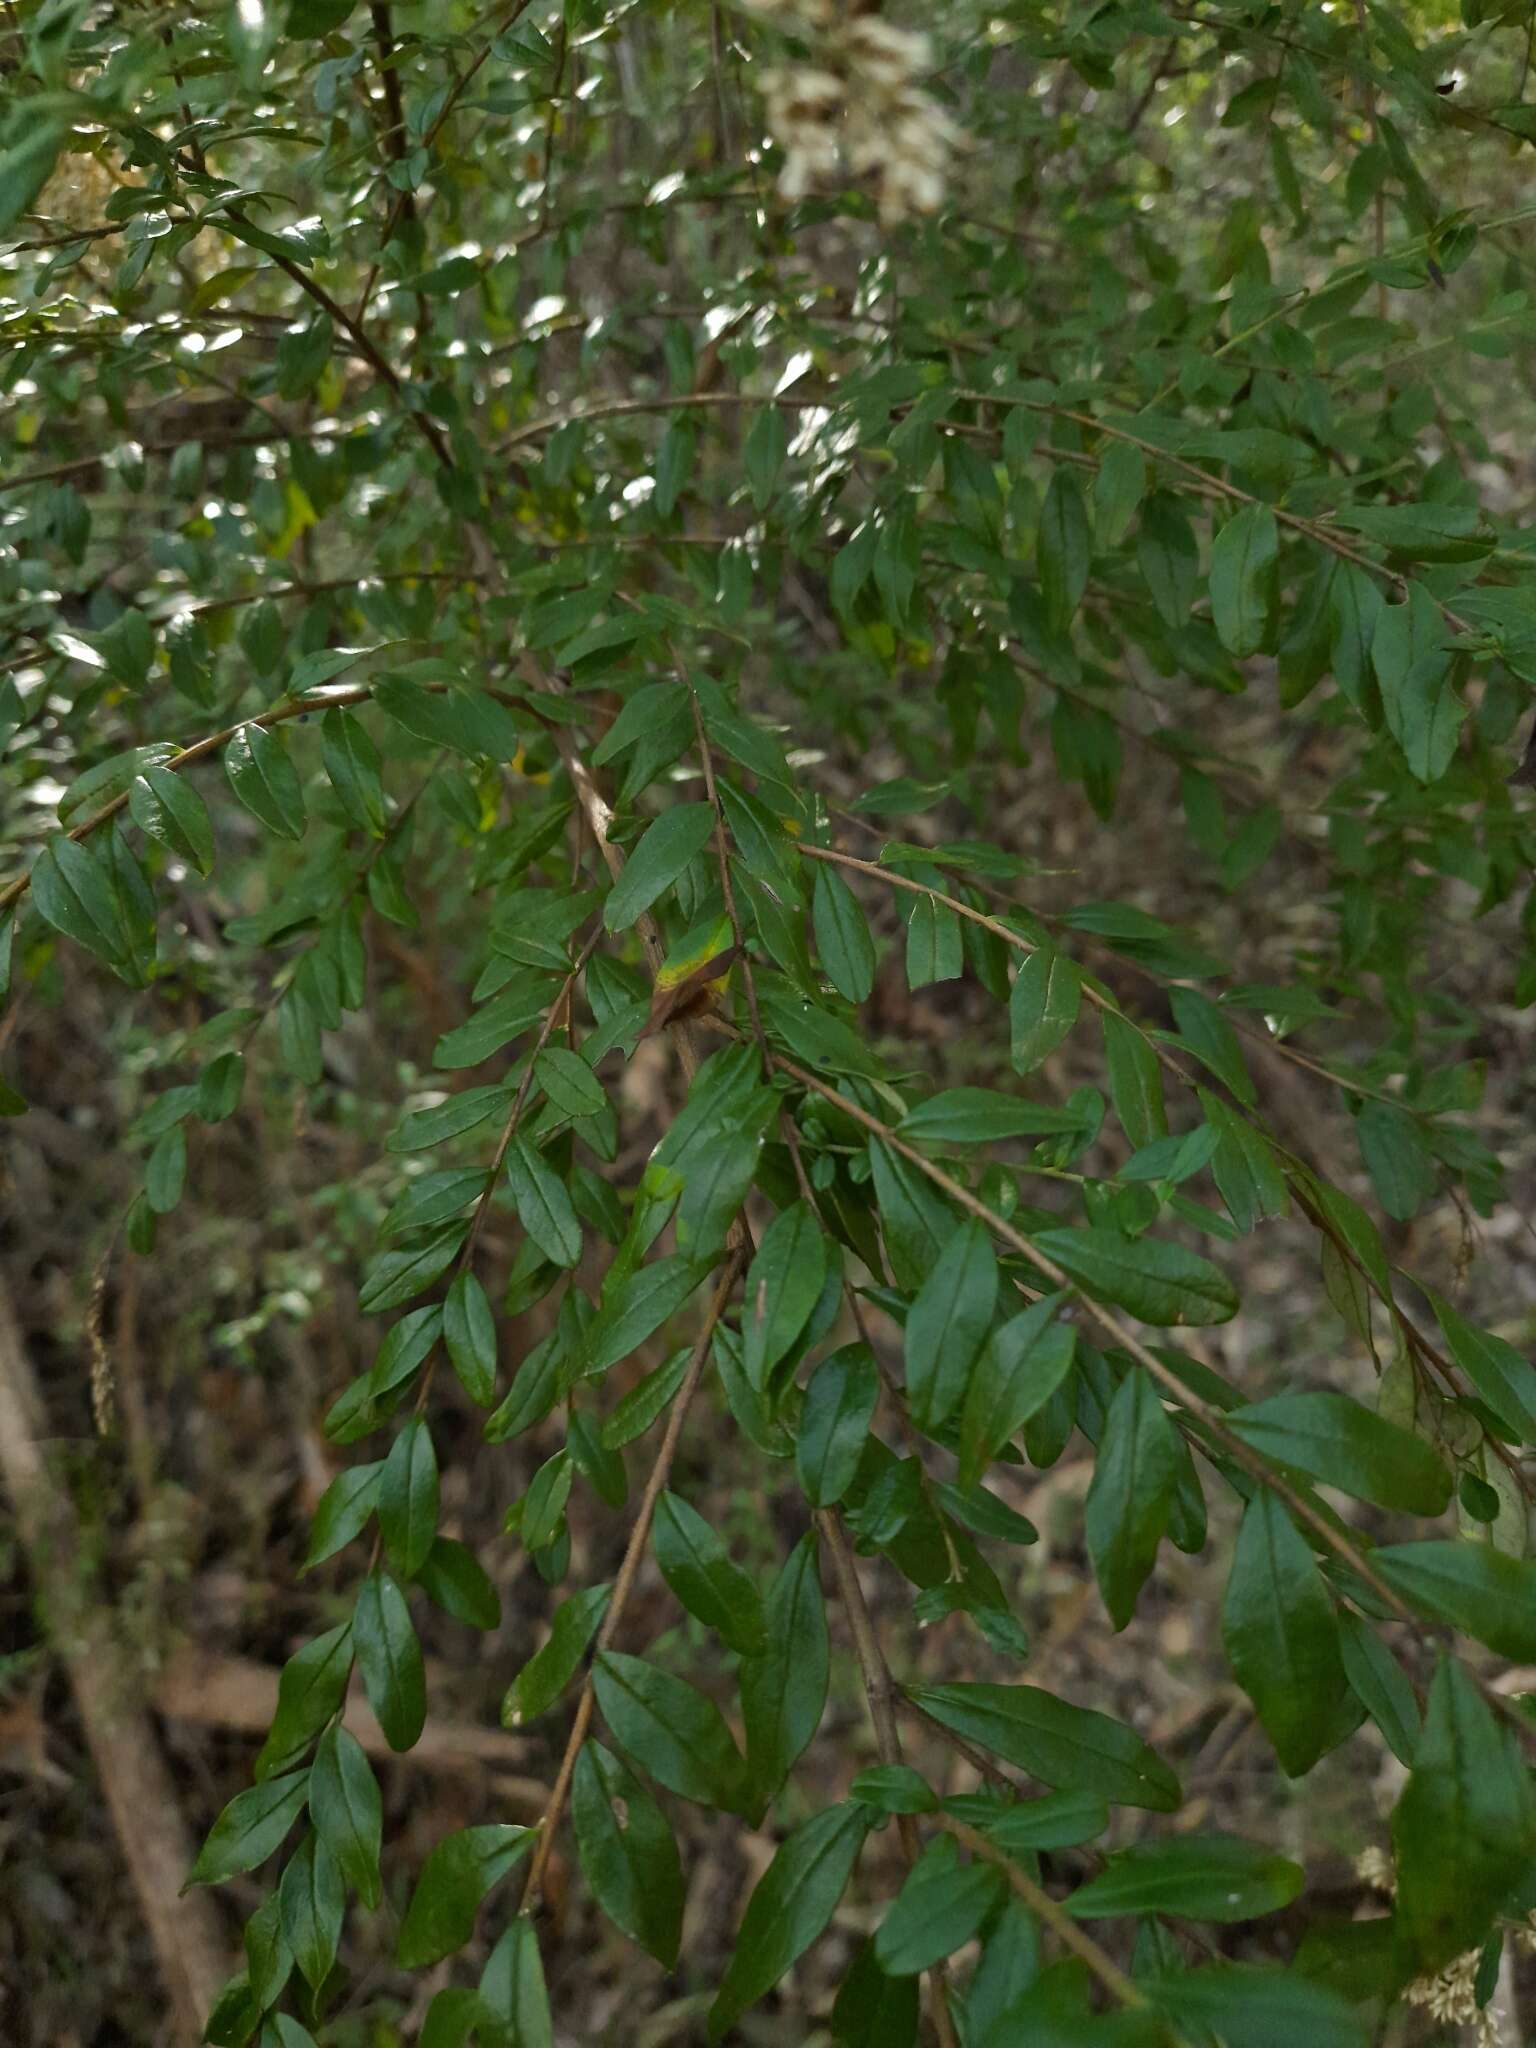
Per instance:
x=344, y=1511
x=309, y=1691
x=569, y=1082
x=1244, y=1165
x=1131, y=1493
x=312, y=1901
x=671, y=1730
x=1064, y=547
x=352, y=763
x=408, y=1493
x=645, y=1402
x=948, y=1323
x=1505, y=1379
x=1280, y=1635
x=169, y=809
x=1056, y=1742
x=543, y=1204
x=1465, y=1825
x=663, y=851
x=250, y=1828
x=1199, y=1877
x=1208, y=1034
x=695, y=1564
x=784, y=1691
x=1021, y=1367
x=842, y=935
x=1060, y=1820
x=1244, y=556
x=784, y=1283
x=461, y=1869
x=1118, y=489
x=347, y=1811
x=1257, y=2008
x=1042, y=1007
x=1135, y=1080
x=791, y=1904
x=389, y=1657
x=72, y=890
x=982, y=1116
x=834, y=1423
x=454, y=1578
x=894, y=1788
x=637, y=1309
x=628, y=1852
x=1470, y=1586
x=1160, y=1283
x=469, y=1334
x=1401, y=1167
x=1168, y=558
x=1380, y=1684
x=165, y=1171
x=552, y=1667
x=1332, y=1438
x=940, y=1907
x=262, y=776
x=763, y=453
x=512, y=1987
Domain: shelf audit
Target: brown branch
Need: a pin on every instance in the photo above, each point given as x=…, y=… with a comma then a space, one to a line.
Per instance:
x=629, y=1569
x=1055, y=1916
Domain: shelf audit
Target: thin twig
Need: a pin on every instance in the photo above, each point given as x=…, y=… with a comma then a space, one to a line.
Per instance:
x=624, y=1583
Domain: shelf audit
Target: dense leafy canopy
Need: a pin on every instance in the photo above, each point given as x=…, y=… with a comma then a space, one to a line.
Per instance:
x=629, y=490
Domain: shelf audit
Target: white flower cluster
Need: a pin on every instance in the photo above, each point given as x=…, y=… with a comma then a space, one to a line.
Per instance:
x=860, y=105
x=1450, y=1996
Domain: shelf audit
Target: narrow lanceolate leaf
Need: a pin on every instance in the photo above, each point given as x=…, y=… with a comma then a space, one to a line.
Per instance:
x=250, y=1828
x=469, y=1334
x=940, y=1907
x=352, y=763
x=671, y=1730
x=1200, y=1877
x=842, y=935
x=947, y=1324
x=1021, y=1366
x=312, y=1903
x=344, y=1511
x=1135, y=1080
x=628, y=1852
x=1280, y=1634
x=1042, y=1007
x=1061, y=1744
x=783, y=1285
x=550, y=1669
x=1465, y=1826
x=309, y=1692
x=1064, y=546
x=347, y=1810
x=982, y=1116
x=1381, y=1685
x=169, y=809
x=784, y=1691
x=543, y=1204
x=695, y=1564
x=794, y=1899
x=512, y=1987
x=1245, y=1168
x=636, y=1310
x=1158, y=1282
x=454, y=1879
x=408, y=1494
x=262, y=776
x=659, y=857
x=1502, y=1375
x=1470, y=1586
x=1332, y=1438
x=1131, y=1493
x=834, y=1423
x=1243, y=560
x=389, y=1658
